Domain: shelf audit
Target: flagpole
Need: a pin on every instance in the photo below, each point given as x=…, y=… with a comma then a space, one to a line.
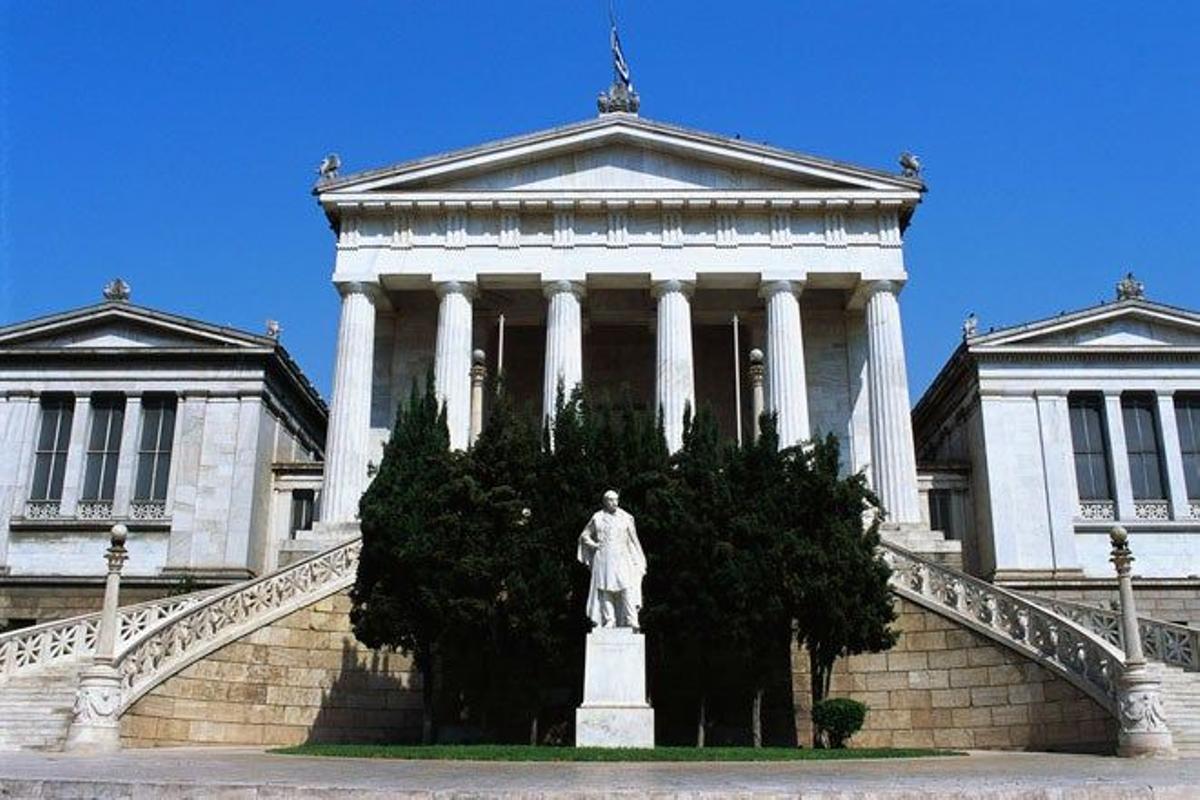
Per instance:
x=737, y=379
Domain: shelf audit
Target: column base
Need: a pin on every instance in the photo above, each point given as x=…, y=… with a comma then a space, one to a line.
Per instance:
x=1144, y=732
x=96, y=726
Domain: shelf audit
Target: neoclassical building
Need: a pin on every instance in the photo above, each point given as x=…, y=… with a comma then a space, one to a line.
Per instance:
x=179, y=429
x=621, y=252
x=1048, y=433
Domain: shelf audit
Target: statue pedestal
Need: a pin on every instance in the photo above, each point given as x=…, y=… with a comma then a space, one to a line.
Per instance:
x=614, y=711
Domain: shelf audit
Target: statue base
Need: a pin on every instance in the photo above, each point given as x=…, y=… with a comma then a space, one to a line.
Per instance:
x=614, y=711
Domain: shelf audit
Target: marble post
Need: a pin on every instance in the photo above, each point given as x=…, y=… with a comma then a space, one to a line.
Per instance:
x=452, y=358
x=95, y=724
x=674, y=377
x=564, y=343
x=1143, y=731
x=757, y=374
x=893, y=460
x=478, y=378
x=787, y=390
x=348, y=440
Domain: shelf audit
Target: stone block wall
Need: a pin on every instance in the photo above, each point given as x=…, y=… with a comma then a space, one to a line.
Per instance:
x=303, y=678
x=943, y=685
x=1175, y=600
x=48, y=602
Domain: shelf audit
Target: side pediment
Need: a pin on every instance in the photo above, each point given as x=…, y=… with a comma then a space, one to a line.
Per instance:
x=119, y=327
x=1123, y=325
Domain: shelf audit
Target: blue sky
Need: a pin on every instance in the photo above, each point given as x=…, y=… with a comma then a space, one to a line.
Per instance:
x=174, y=143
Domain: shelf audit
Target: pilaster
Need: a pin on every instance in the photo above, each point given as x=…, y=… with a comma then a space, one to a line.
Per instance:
x=1173, y=457
x=127, y=457
x=564, y=343
x=893, y=459
x=452, y=358
x=1119, y=453
x=81, y=420
x=1058, y=469
x=787, y=388
x=18, y=420
x=348, y=440
x=674, y=377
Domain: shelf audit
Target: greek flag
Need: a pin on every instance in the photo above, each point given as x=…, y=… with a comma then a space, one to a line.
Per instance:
x=620, y=65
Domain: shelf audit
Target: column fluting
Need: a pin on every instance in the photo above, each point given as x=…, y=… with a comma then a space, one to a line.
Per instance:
x=893, y=460
x=674, y=377
x=346, y=449
x=452, y=359
x=787, y=389
x=564, y=343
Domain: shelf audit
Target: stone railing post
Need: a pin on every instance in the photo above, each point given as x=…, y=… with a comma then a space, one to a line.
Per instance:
x=478, y=377
x=95, y=726
x=1143, y=732
x=757, y=373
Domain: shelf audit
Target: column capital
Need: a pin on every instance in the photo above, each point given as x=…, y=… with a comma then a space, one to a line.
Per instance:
x=772, y=287
x=872, y=288
x=659, y=288
x=551, y=288
x=368, y=288
x=464, y=288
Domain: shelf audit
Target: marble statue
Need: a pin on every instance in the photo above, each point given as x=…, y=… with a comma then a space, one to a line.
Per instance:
x=609, y=546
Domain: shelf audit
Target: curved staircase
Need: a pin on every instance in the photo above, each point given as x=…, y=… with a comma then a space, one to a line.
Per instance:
x=39, y=666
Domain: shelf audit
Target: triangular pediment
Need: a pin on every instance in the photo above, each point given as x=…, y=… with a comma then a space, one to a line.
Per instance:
x=1130, y=324
x=121, y=326
x=619, y=153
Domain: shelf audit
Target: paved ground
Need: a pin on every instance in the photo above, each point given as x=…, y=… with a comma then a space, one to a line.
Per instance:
x=253, y=774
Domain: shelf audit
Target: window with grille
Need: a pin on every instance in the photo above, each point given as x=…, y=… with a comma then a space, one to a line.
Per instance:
x=1141, y=443
x=1187, y=416
x=304, y=504
x=104, y=448
x=1090, y=446
x=154, y=448
x=54, y=436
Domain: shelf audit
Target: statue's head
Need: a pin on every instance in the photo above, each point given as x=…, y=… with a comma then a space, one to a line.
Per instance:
x=611, y=500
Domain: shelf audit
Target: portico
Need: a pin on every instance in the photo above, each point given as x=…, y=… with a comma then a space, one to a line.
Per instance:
x=616, y=253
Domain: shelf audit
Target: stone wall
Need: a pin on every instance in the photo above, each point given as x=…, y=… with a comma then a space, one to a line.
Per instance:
x=1168, y=600
x=943, y=685
x=303, y=678
x=45, y=603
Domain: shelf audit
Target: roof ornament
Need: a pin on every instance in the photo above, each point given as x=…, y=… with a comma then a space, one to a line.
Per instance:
x=117, y=291
x=274, y=328
x=970, y=326
x=1130, y=288
x=910, y=165
x=620, y=97
x=329, y=167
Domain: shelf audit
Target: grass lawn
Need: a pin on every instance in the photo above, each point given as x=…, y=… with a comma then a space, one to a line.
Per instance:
x=501, y=752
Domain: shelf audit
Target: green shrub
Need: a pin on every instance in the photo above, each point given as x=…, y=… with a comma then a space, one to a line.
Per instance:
x=837, y=719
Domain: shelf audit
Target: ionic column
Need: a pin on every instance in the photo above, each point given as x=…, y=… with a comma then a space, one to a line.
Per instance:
x=674, y=378
x=787, y=392
x=893, y=461
x=452, y=359
x=347, y=443
x=564, y=343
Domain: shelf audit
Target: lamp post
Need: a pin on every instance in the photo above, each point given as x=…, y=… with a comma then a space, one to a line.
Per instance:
x=757, y=372
x=1143, y=726
x=478, y=376
x=95, y=724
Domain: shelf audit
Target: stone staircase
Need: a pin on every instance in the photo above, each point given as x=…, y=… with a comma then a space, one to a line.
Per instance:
x=35, y=708
x=1181, y=698
x=924, y=542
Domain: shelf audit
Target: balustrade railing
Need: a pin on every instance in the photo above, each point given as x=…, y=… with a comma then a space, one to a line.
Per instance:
x=1176, y=645
x=1064, y=646
x=1097, y=510
x=94, y=509
x=147, y=509
x=1157, y=510
x=75, y=637
x=43, y=509
x=228, y=614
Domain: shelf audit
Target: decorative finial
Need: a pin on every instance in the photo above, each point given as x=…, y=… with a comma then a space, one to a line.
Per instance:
x=756, y=356
x=117, y=291
x=620, y=97
x=1130, y=288
x=478, y=357
x=274, y=328
x=329, y=167
x=970, y=326
x=910, y=165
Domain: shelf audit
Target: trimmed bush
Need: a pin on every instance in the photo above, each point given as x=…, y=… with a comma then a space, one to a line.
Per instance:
x=837, y=719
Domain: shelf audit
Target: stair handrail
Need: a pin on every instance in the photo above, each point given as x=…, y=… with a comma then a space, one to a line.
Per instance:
x=1055, y=641
x=160, y=652
x=75, y=637
x=1168, y=642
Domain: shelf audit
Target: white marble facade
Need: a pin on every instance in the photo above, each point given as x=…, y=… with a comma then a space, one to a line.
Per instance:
x=1036, y=418
x=204, y=411
x=617, y=251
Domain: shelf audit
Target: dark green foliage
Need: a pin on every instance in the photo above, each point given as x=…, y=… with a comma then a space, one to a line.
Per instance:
x=837, y=719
